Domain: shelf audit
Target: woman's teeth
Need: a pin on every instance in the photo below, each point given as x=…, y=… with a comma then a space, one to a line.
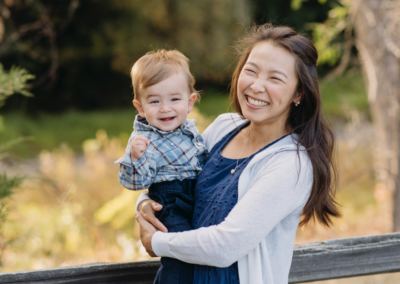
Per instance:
x=256, y=103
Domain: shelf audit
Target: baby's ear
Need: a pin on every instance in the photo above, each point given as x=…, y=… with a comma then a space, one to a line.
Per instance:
x=192, y=100
x=139, y=107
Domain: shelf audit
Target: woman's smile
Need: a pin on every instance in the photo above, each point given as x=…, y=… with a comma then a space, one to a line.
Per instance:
x=256, y=102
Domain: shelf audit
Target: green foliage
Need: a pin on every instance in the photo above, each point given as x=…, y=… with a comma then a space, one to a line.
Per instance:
x=344, y=94
x=297, y=4
x=13, y=82
x=7, y=184
x=328, y=35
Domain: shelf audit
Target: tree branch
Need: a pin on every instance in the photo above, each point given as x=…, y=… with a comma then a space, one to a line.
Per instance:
x=369, y=70
x=349, y=43
x=16, y=35
x=71, y=11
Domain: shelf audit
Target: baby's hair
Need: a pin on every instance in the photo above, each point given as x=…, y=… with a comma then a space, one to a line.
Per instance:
x=156, y=66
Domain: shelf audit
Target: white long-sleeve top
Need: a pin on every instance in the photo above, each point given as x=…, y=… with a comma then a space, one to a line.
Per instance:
x=260, y=230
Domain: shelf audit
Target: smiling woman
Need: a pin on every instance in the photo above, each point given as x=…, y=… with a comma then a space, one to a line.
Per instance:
x=248, y=205
x=267, y=86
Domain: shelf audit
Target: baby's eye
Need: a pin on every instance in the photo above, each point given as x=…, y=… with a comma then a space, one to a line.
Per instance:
x=154, y=102
x=175, y=99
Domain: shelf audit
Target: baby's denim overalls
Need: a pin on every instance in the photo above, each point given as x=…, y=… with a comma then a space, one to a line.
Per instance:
x=216, y=194
x=177, y=199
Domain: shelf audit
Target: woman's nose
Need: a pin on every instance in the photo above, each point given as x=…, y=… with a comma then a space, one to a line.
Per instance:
x=257, y=87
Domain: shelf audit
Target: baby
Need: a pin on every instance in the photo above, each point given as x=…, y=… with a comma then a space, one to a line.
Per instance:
x=165, y=152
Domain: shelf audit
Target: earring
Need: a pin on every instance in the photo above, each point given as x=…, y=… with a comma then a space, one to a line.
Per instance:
x=297, y=104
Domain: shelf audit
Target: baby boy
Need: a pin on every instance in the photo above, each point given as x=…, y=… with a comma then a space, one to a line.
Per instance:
x=165, y=152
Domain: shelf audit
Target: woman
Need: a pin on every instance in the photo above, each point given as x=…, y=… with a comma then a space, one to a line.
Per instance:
x=270, y=164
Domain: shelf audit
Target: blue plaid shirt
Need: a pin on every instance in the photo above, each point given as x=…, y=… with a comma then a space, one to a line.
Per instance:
x=171, y=155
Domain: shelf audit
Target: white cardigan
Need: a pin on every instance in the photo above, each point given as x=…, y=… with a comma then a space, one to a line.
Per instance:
x=260, y=230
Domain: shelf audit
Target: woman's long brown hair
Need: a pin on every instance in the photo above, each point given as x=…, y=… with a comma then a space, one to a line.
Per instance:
x=306, y=120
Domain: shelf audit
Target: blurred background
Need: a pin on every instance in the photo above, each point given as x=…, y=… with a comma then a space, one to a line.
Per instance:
x=66, y=113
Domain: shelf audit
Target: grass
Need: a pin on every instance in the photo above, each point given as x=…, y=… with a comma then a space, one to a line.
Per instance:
x=344, y=94
x=72, y=128
x=213, y=104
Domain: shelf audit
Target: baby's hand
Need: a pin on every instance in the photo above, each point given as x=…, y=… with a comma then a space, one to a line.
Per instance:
x=138, y=147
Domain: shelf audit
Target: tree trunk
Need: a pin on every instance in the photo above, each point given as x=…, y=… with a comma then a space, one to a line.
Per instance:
x=377, y=41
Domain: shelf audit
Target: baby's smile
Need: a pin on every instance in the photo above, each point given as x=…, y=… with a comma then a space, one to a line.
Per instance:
x=167, y=118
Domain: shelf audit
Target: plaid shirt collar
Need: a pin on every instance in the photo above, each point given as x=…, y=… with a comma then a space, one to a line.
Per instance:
x=188, y=126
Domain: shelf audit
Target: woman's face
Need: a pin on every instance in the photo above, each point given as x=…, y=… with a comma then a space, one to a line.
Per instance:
x=267, y=84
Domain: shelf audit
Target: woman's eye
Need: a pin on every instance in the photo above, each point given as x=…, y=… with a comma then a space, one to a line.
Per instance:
x=250, y=71
x=276, y=79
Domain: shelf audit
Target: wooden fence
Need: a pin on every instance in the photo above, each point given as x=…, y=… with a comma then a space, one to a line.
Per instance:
x=331, y=259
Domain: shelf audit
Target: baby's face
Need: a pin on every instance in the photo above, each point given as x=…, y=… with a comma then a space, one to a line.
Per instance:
x=166, y=104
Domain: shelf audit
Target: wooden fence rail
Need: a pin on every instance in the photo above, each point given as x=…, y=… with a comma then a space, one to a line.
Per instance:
x=331, y=259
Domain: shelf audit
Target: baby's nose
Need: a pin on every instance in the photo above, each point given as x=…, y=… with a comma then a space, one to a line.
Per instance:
x=165, y=108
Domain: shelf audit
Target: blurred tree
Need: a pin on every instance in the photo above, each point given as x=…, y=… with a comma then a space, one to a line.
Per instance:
x=82, y=51
x=87, y=64
x=372, y=27
x=377, y=26
x=202, y=30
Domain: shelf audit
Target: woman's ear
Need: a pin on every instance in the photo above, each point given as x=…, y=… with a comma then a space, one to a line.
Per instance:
x=139, y=107
x=297, y=100
x=298, y=97
x=191, y=101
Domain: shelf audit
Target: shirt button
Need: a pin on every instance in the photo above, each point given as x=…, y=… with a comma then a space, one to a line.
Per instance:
x=172, y=144
x=198, y=144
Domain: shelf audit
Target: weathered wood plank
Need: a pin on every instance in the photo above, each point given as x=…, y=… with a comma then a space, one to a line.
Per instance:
x=130, y=272
x=343, y=258
x=311, y=262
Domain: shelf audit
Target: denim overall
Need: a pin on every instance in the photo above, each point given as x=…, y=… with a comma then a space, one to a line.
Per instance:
x=216, y=194
x=177, y=199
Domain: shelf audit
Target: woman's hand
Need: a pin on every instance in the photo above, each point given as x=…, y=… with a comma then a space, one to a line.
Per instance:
x=147, y=231
x=147, y=209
